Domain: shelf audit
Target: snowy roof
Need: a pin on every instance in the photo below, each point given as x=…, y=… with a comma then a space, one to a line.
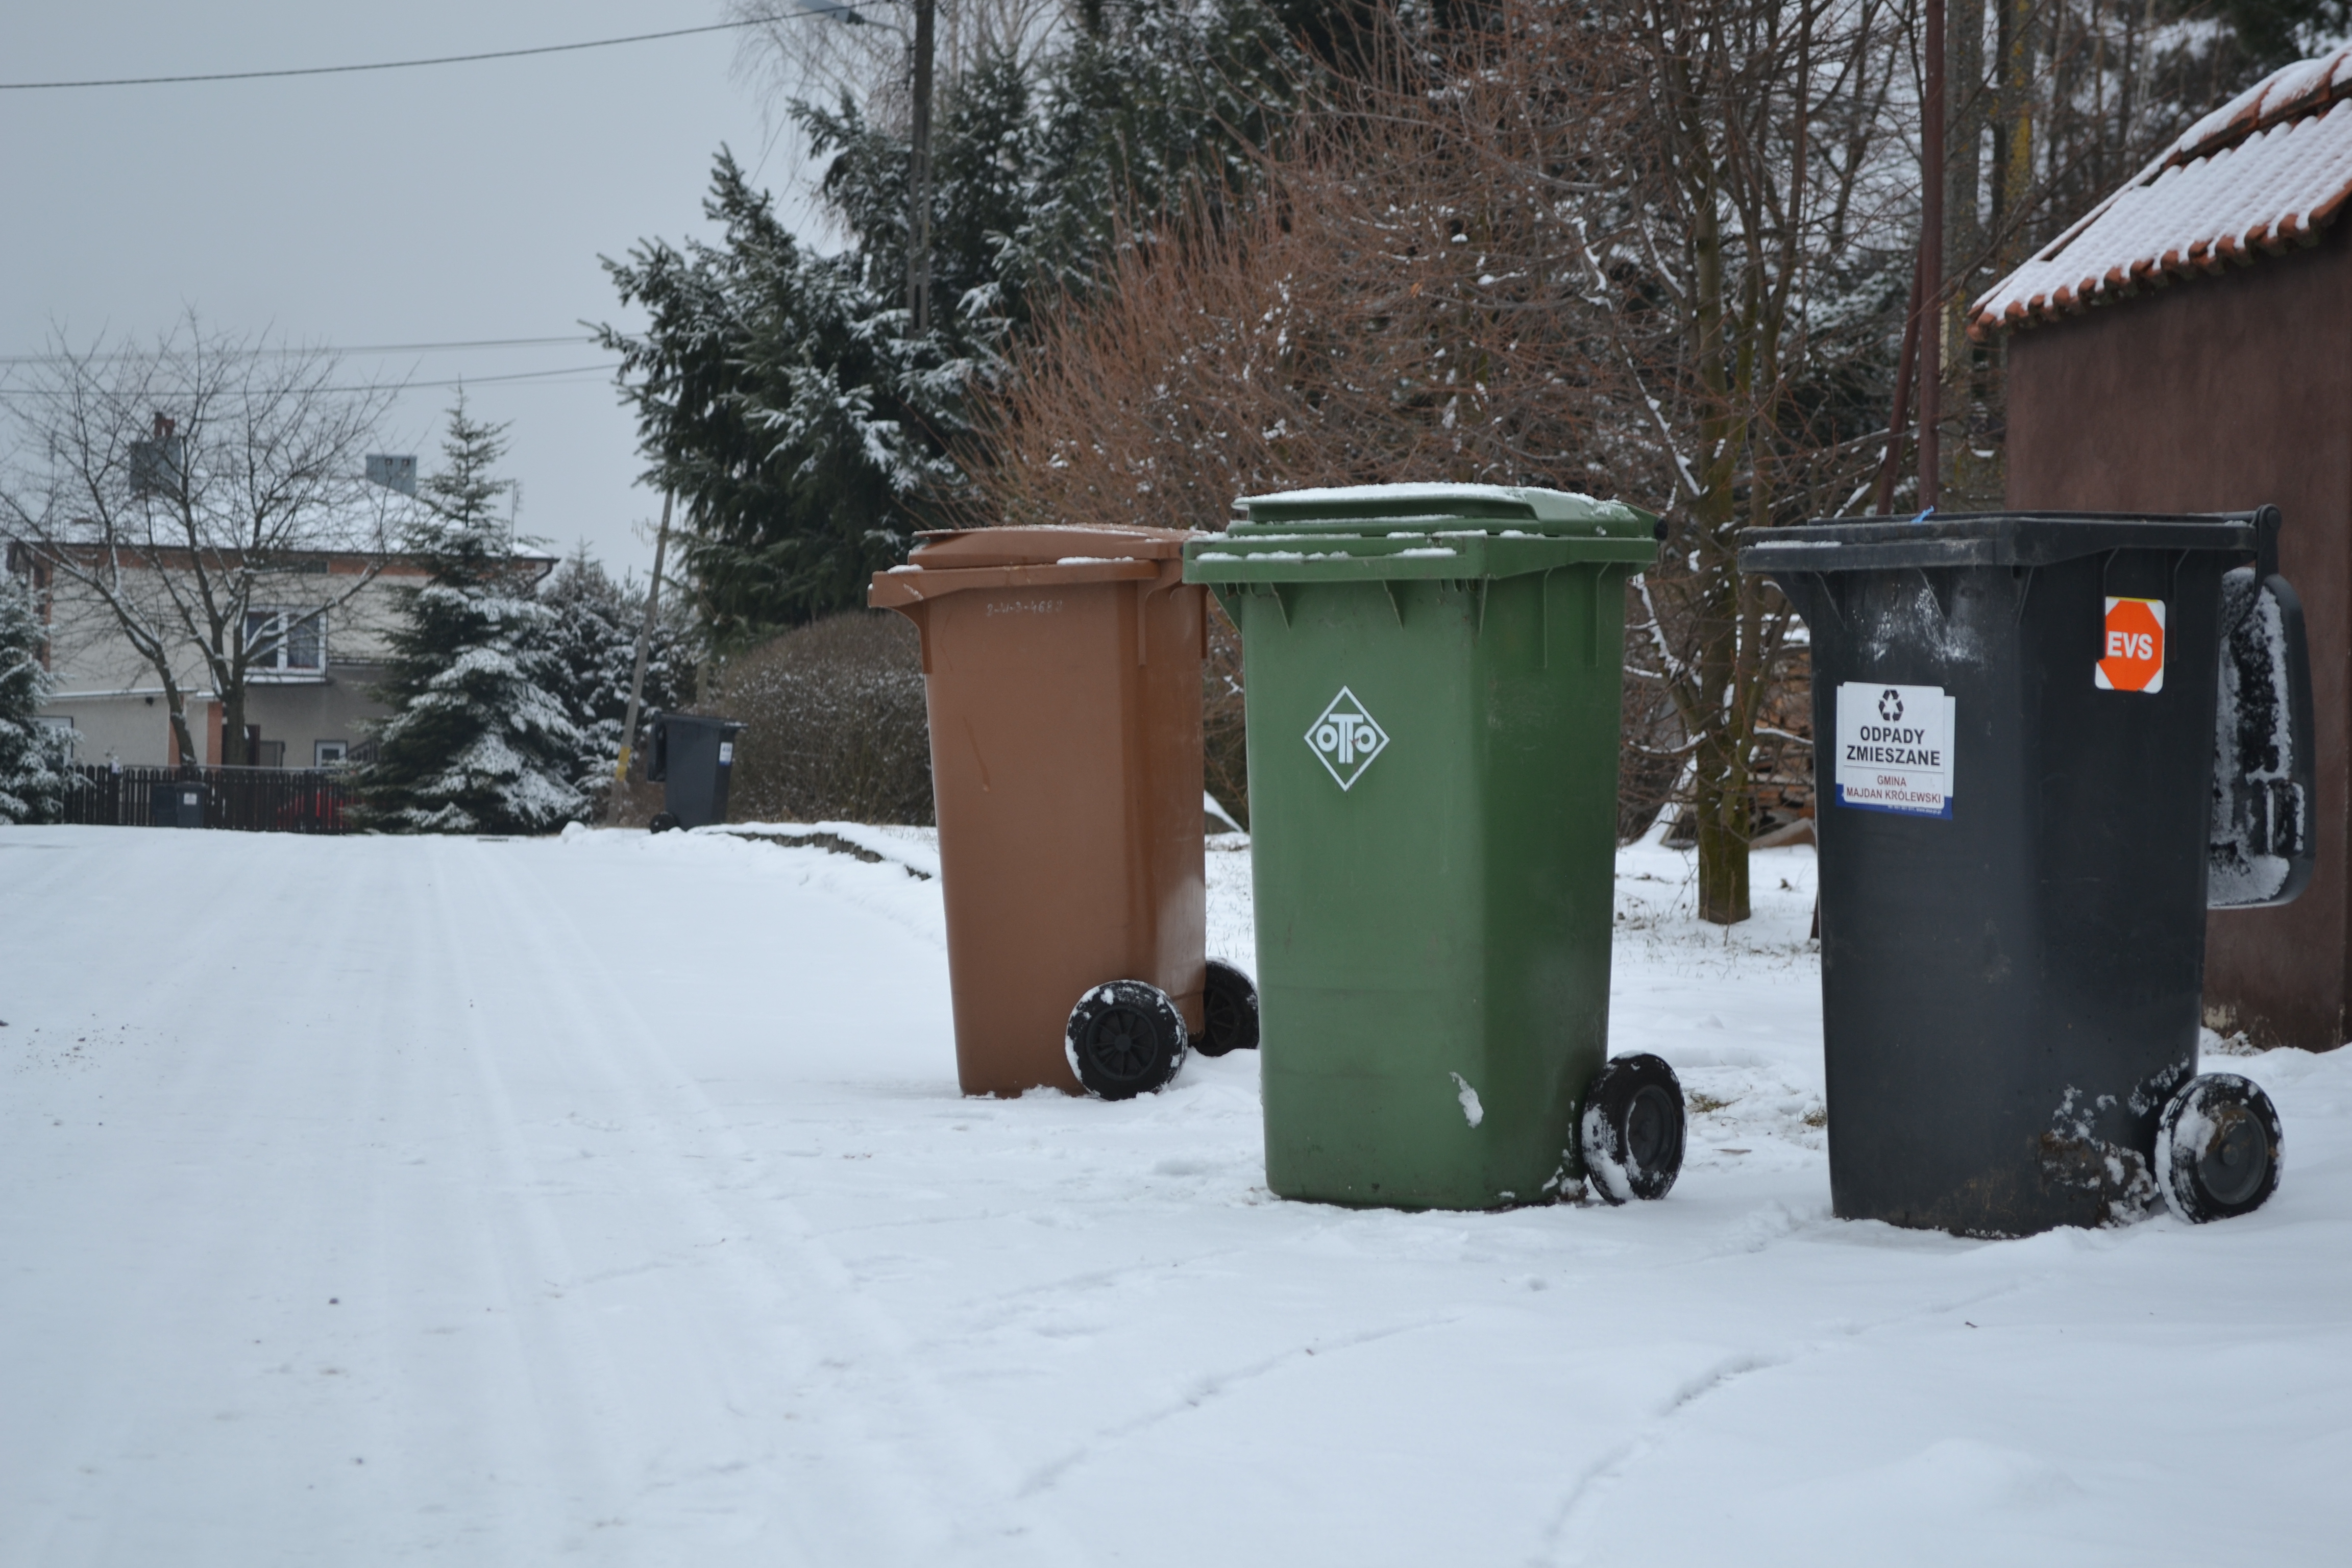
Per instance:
x=2265, y=171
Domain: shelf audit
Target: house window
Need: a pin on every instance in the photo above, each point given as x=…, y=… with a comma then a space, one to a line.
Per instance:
x=285, y=642
x=330, y=753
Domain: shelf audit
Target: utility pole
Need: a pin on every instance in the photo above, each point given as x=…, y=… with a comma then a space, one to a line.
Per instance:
x=919, y=177
x=637, y=679
x=1931, y=256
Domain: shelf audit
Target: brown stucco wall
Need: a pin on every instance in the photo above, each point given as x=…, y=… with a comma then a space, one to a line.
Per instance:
x=2210, y=395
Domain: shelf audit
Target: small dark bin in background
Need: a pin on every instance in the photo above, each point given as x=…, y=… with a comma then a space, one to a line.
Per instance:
x=176, y=804
x=691, y=758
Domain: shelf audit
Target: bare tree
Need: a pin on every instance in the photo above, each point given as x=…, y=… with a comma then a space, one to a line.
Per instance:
x=184, y=492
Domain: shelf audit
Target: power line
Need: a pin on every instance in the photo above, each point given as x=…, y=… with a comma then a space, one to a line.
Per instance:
x=831, y=8
x=482, y=380
x=333, y=351
x=544, y=378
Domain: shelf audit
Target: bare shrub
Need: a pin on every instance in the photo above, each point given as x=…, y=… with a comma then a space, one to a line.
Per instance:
x=1390, y=310
x=835, y=724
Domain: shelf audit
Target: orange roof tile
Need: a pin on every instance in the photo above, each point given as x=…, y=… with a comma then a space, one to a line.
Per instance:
x=2265, y=171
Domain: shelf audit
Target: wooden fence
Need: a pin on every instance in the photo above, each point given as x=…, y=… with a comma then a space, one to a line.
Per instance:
x=248, y=800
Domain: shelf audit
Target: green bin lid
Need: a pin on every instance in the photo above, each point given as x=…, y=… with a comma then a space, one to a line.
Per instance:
x=1437, y=530
x=1384, y=509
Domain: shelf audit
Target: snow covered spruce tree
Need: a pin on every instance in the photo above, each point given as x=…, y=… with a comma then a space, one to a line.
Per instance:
x=788, y=395
x=478, y=741
x=32, y=758
x=591, y=643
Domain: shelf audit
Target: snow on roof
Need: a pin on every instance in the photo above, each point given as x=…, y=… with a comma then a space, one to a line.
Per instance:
x=2265, y=171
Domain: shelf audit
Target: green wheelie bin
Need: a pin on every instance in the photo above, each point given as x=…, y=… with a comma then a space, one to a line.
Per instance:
x=1434, y=687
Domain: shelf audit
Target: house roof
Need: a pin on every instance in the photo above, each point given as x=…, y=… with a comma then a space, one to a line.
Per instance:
x=2261, y=174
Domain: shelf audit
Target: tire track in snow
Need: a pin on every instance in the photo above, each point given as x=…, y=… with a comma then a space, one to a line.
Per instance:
x=936, y=1482
x=1589, y=1485
x=1208, y=1386
x=1591, y=1488
x=540, y=1433
x=253, y=1421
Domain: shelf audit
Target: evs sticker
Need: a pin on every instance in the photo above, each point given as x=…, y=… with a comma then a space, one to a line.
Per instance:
x=2131, y=654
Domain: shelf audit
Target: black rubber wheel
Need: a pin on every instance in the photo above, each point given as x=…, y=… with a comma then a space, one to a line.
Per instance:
x=663, y=822
x=1124, y=1039
x=1632, y=1130
x=1228, y=1011
x=2216, y=1148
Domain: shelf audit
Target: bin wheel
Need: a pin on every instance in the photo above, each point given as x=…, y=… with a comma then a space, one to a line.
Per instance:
x=1228, y=1011
x=1632, y=1129
x=663, y=822
x=2216, y=1148
x=1124, y=1039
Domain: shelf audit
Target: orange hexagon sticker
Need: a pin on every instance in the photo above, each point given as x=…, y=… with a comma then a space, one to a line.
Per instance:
x=2132, y=653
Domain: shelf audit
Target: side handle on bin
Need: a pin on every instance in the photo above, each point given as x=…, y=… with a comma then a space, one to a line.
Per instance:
x=2263, y=846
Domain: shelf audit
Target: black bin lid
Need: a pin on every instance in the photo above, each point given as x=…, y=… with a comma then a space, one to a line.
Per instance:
x=1991, y=539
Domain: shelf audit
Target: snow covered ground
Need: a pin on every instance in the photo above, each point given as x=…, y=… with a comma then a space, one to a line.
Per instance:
x=366, y=1201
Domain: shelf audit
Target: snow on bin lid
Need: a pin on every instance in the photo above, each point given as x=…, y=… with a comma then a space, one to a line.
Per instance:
x=2263, y=173
x=1046, y=545
x=1503, y=507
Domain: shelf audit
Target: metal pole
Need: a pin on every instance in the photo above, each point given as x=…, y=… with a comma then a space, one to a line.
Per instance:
x=919, y=181
x=1931, y=258
x=637, y=678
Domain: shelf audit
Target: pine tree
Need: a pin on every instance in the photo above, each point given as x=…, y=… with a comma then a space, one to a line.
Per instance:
x=781, y=390
x=478, y=741
x=33, y=775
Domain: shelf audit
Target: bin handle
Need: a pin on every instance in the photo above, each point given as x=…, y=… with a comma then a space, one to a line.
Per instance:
x=2262, y=847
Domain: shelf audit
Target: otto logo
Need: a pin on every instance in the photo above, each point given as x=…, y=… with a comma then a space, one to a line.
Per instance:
x=2131, y=650
x=1346, y=739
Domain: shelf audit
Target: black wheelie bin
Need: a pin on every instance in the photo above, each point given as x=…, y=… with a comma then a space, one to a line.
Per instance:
x=2044, y=744
x=693, y=758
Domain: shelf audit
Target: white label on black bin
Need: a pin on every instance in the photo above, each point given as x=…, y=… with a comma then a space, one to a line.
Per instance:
x=726, y=753
x=1895, y=748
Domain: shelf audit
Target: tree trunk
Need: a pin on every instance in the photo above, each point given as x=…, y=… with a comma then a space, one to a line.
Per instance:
x=233, y=751
x=1709, y=704
x=1723, y=832
x=191, y=754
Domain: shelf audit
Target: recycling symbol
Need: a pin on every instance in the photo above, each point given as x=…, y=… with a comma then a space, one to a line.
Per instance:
x=1890, y=705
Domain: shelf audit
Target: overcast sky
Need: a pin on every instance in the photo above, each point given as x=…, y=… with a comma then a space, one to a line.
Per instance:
x=451, y=204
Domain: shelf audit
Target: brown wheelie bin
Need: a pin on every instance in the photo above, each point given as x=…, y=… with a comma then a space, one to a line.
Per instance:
x=1062, y=673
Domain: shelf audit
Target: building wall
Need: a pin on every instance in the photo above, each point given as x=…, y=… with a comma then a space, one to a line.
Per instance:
x=134, y=729
x=330, y=710
x=2220, y=394
x=112, y=695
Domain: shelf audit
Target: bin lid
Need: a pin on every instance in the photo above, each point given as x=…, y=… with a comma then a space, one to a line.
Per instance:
x=1042, y=555
x=730, y=726
x=1360, y=532
x=1988, y=539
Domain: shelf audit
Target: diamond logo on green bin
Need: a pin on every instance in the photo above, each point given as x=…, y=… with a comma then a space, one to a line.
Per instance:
x=1346, y=739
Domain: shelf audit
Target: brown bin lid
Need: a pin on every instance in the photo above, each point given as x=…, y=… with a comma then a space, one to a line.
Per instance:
x=1046, y=545
x=1040, y=556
